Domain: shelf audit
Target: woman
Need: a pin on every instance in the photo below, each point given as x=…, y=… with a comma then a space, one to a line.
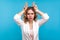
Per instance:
x=30, y=25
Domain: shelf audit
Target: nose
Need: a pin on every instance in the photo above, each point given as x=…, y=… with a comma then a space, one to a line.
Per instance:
x=30, y=15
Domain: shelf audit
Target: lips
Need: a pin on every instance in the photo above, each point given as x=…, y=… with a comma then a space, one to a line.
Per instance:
x=30, y=18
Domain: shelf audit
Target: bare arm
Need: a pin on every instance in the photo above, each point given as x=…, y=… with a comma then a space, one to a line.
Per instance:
x=21, y=13
x=44, y=15
x=25, y=7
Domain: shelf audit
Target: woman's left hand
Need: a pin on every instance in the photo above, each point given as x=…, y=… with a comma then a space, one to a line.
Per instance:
x=35, y=7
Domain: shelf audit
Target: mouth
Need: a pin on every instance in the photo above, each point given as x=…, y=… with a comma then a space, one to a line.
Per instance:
x=30, y=18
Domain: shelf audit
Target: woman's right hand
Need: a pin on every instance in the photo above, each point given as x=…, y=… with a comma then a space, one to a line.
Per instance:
x=26, y=6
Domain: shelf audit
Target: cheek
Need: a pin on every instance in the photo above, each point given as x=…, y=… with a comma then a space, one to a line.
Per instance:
x=32, y=16
x=27, y=16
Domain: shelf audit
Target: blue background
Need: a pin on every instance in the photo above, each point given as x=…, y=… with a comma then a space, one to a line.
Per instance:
x=9, y=30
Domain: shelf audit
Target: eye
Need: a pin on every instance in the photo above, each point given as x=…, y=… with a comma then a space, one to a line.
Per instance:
x=32, y=13
x=27, y=13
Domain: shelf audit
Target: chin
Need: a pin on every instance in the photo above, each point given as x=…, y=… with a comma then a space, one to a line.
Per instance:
x=31, y=20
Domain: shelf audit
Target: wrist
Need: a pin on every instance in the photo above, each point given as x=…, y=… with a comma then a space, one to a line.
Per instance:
x=37, y=10
x=23, y=11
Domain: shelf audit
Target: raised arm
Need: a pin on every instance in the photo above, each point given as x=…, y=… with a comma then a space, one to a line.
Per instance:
x=17, y=17
x=44, y=19
x=45, y=16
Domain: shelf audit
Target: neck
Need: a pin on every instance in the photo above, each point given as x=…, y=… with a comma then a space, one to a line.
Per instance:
x=31, y=22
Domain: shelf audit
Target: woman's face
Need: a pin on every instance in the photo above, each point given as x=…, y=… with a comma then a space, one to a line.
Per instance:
x=30, y=15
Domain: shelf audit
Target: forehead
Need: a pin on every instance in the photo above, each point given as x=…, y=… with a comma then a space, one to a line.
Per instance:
x=30, y=11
